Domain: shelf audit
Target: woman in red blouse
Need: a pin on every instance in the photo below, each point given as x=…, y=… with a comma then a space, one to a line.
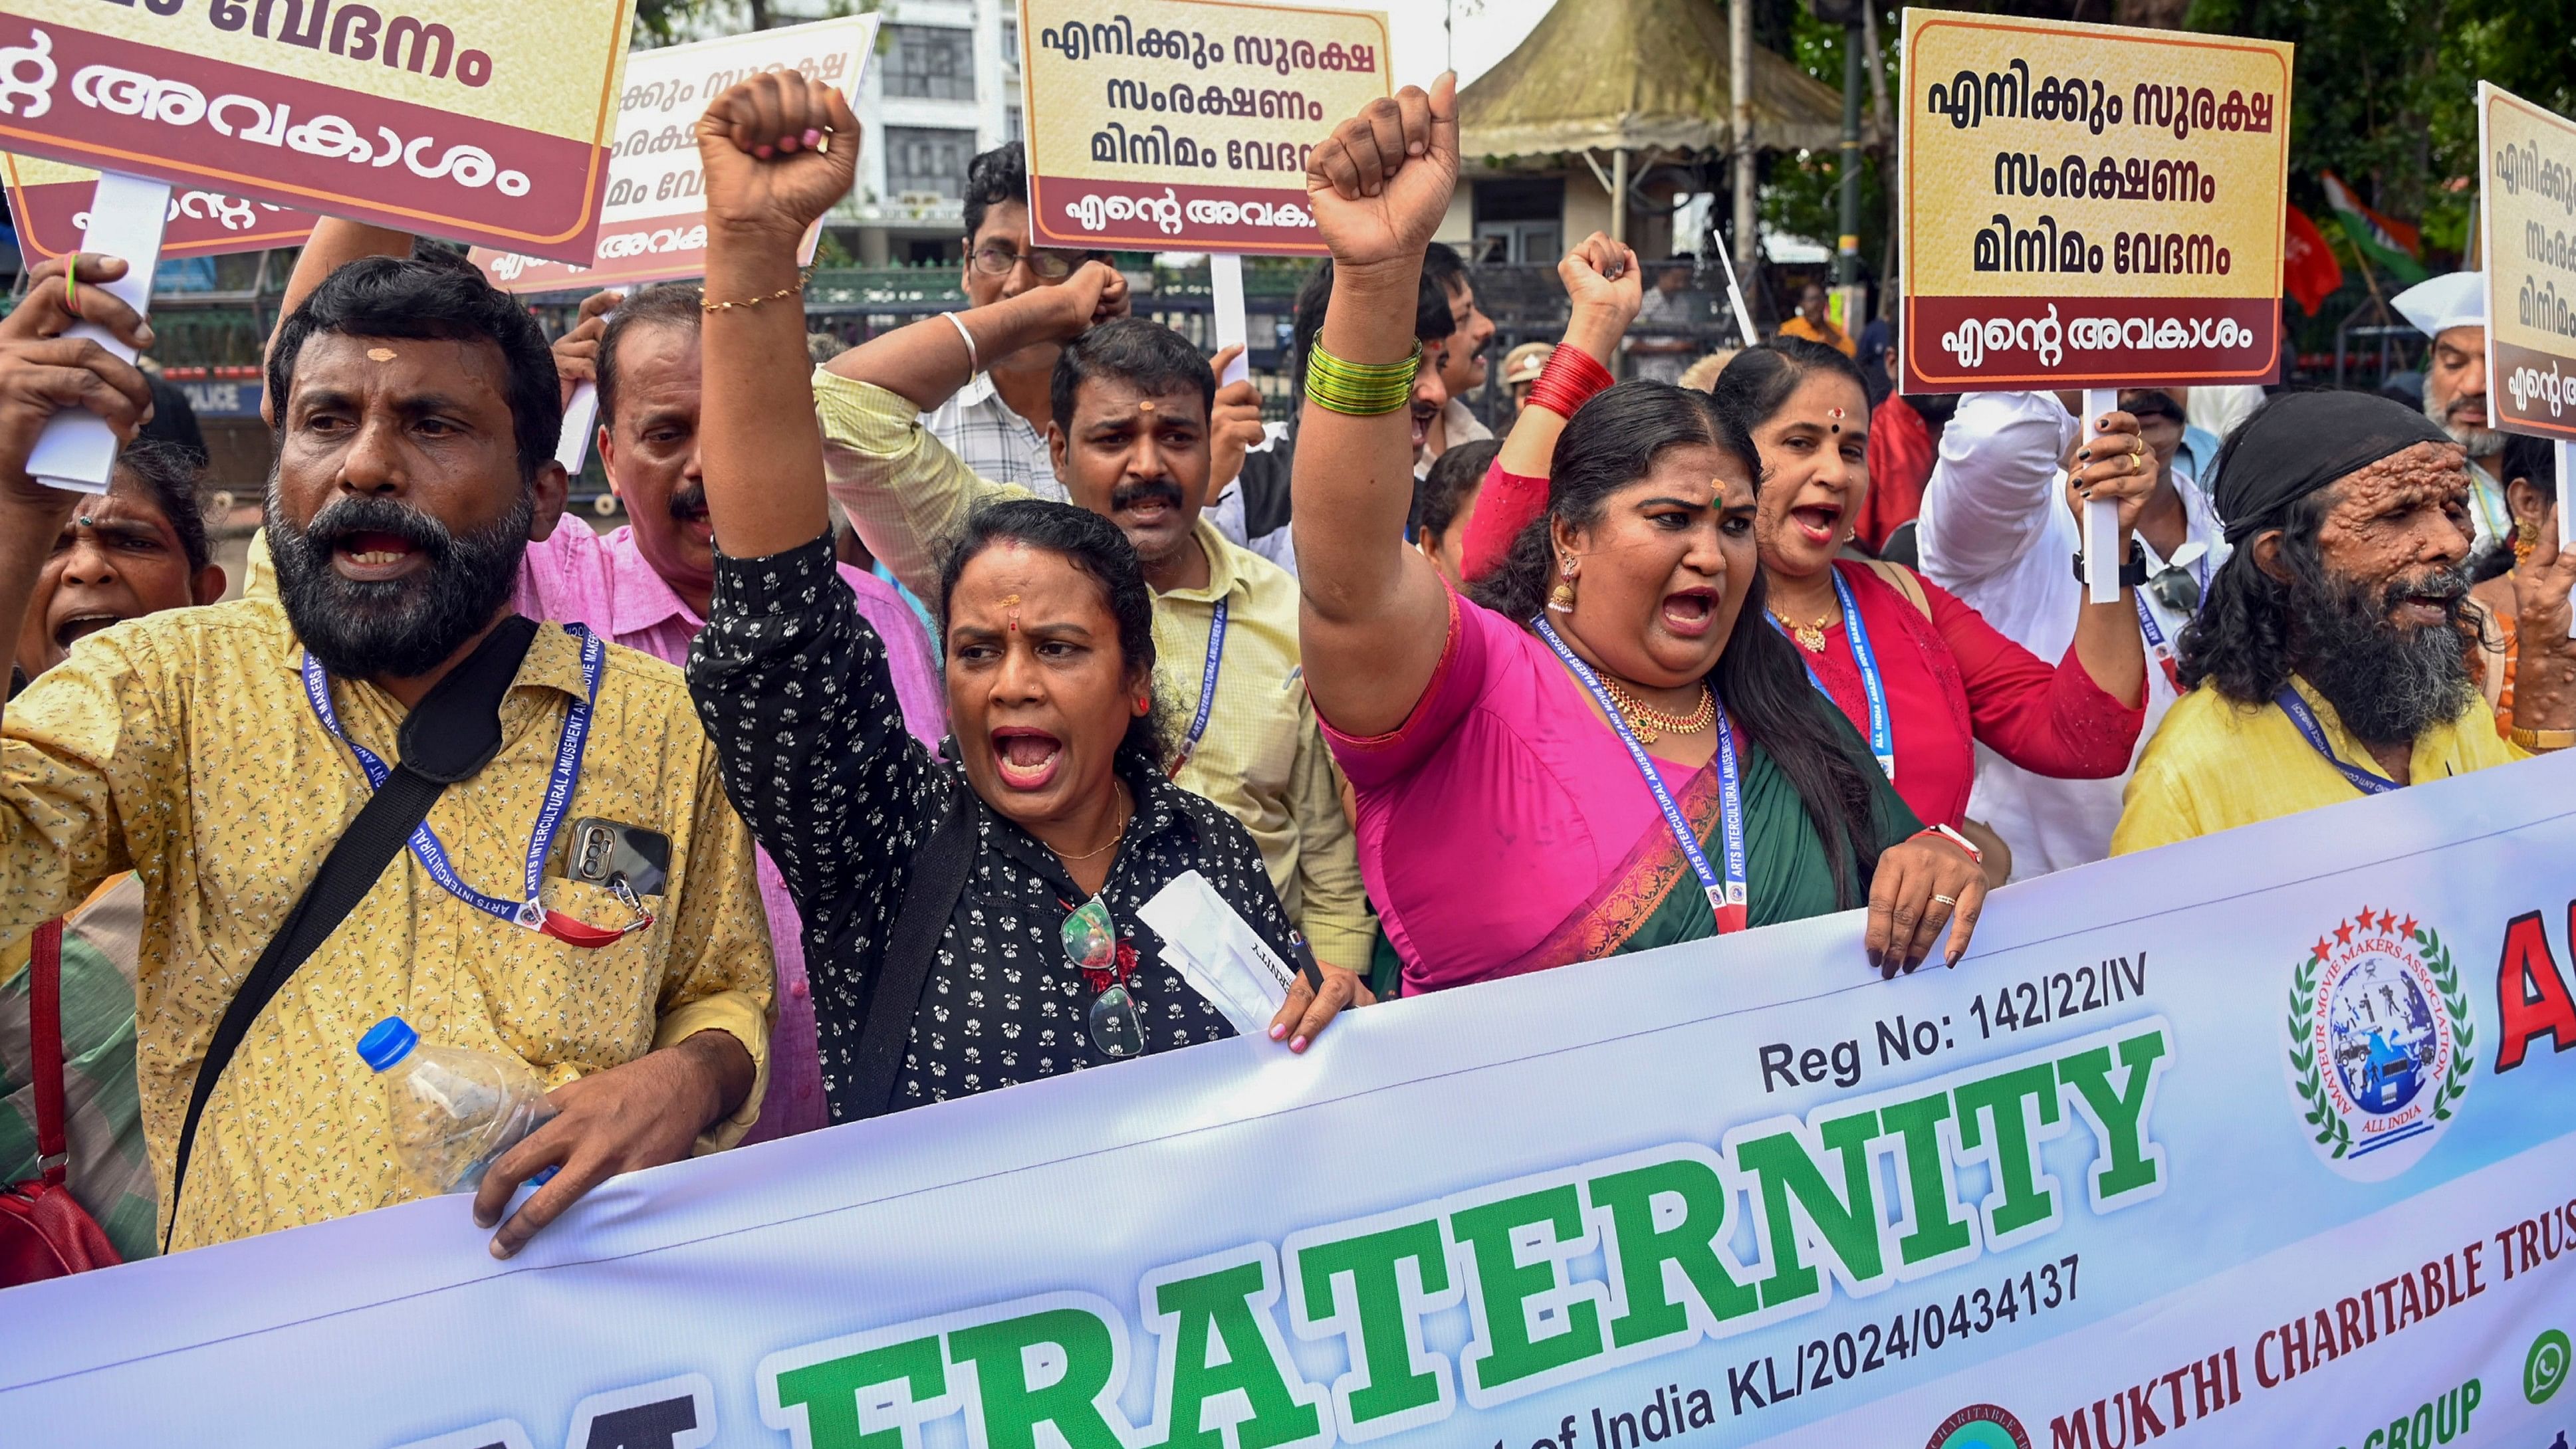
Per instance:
x=1945, y=679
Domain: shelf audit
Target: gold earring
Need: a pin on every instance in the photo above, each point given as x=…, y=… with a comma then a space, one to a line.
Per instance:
x=2526, y=537
x=1561, y=598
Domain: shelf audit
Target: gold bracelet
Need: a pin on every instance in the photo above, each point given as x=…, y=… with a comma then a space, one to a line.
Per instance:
x=780, y=295
x=2543, y=741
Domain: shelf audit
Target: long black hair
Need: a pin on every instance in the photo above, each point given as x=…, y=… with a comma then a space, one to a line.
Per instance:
x=1094, y=545
x=1610, y=443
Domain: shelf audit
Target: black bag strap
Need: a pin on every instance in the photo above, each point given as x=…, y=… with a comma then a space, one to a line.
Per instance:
x=939, y=870
x=453, y=732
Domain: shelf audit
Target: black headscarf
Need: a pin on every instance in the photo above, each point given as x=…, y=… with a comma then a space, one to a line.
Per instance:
x=2300, y=442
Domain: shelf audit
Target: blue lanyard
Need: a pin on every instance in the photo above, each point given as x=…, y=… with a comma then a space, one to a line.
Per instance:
x=1207, y=688
x=2306, y=719
x=1725, y=899
x=1882, y=732
x=425, y=845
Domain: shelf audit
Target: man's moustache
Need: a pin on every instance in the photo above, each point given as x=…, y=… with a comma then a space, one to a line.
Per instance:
x=689, y=504
x=1128, y=495
x=350, y=517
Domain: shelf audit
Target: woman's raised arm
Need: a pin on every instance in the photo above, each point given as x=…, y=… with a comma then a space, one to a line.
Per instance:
x=1376, y=613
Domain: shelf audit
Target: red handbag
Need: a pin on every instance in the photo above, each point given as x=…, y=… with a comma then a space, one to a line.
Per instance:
x=44, y=1231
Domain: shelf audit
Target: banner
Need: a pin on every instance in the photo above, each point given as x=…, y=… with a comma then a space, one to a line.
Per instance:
x=2268, y=1138
x=2090, y=205
x=2527, y=201
x=49, y=205
x=653, y=227
x=489, y=123
x=1183, y=125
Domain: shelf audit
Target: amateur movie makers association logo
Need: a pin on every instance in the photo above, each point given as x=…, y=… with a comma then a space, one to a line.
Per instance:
x=1980, y=1426
x=2379, y=1043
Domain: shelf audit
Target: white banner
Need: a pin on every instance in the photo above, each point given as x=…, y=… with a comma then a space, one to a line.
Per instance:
x=2269, y=1139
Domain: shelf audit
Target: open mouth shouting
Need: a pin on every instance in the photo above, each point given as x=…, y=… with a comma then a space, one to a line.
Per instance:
x=689, y=511
x=80, y=626
x=1691, y=612
x=1420, y=417
x=1816, y=522
x=1026, y=759
x=369, y=556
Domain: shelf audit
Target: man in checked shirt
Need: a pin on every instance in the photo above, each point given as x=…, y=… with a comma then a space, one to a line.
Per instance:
x=1130, y=435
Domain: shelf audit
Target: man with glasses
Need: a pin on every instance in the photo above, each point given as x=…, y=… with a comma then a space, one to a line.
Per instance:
x=1996, y=530
x=996, y=423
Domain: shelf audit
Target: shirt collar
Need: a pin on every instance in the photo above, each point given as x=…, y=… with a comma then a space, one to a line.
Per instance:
x=1222, y=575
x=1158, y=809
x=978, y=391
x=638, y=596
x=553, y=660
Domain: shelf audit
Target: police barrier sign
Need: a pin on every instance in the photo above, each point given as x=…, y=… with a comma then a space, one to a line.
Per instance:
x=2286, y=1158
x=2090, y=205
x=1183, y=125
x=483, y=121
x=653, y=227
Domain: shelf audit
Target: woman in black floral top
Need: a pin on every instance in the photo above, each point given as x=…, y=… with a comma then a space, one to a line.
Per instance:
x=1043, y=965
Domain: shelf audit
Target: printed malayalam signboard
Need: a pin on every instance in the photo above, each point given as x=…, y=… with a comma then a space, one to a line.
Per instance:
x=2527, y=197
x=49, y=205
x=486, y=121
x=1183, y=125
x=2262, y=1139
x=652, y=227
x=2090, y=205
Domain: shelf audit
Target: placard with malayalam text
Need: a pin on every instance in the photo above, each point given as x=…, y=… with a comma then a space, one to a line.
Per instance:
x=2527, y=195
x=49, y=205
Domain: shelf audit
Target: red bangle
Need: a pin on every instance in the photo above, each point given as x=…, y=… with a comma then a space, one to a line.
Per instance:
x=1568, y=381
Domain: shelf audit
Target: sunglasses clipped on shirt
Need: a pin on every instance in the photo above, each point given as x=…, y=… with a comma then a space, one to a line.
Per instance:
x=1091, y=943
x=2175, y=585
x=997, y=261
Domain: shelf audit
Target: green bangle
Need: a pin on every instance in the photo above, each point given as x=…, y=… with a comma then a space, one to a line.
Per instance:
x=1360, y=389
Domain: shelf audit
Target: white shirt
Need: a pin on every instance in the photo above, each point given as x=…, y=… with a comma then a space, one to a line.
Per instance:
x=993, y=441
x=1997, y=532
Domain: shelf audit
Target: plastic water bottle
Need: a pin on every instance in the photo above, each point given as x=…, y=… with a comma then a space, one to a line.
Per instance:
x=454, y=1110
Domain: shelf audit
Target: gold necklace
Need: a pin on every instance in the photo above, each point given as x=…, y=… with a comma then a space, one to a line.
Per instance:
x=1810, y=637
x=1126, y=818
x=1651, y=724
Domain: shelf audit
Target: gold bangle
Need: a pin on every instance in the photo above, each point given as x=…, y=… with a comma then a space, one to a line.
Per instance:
x=780, y=295
x=2542, y=741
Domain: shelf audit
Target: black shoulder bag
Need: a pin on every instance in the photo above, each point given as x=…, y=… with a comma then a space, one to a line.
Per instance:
x=451, y=734
x=939, y=870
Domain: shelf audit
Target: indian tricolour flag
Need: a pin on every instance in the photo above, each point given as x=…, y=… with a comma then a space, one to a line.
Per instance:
x=2393, y=245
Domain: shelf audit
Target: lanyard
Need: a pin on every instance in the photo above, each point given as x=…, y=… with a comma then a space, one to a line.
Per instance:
x=2154, y=632
x=1727, y=899
x=1882, y=732
x=1207, y=688
x=528, y=912
x=2306, y=719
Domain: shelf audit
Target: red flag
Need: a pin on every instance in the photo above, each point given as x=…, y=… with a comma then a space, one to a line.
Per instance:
x=2309, y=271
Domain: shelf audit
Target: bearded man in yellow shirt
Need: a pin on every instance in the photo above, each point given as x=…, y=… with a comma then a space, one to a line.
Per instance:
x=2329, y=659
x=216, y=752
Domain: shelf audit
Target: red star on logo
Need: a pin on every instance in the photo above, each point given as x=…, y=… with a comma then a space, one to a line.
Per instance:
x=2343, y=933
x=2367, y=922
x=2322, y=947
x=2406, y=927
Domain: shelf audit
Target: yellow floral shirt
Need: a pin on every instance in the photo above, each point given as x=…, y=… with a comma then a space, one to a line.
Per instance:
x=181, y=746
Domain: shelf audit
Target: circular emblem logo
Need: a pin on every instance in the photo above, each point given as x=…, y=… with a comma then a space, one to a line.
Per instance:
x=1980, y=1426
x=2379, y=1043
x=2545, y=1367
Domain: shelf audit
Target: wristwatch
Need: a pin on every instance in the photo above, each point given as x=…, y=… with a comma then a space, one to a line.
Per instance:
x=2133, y=571
x=2542, y=741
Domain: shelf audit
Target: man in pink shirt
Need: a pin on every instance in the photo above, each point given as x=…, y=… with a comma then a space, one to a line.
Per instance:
x=646, y=585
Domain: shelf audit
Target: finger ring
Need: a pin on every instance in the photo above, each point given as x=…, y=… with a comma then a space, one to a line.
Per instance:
x=1946, y=900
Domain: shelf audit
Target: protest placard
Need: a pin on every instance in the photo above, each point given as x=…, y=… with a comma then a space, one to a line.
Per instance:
x=652, y=227
x=489, y=123
x=2267, y=1138
x=2089, y=205
x=1183, y=125
x=2527, y=194
x=49, y=205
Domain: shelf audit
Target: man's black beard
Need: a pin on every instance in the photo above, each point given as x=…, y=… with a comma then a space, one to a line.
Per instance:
x=2387, y=683
x=393, y=628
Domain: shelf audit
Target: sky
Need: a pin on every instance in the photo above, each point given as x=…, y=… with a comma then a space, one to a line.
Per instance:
x=1485, y=32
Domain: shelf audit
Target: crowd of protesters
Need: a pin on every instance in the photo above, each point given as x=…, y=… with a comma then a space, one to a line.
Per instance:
x=1737, y=641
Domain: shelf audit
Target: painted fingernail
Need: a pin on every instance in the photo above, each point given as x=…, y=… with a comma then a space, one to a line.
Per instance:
x=764, y=152
x=786, y=143
x=1299, y=1045
x=1276, y=1032
x=812, y=136
x=2084, y=455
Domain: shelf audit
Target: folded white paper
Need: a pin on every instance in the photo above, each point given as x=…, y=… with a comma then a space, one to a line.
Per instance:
x=1218, y=953
x=77, y=450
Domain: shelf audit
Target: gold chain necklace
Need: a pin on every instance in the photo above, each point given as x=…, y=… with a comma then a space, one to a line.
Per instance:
x=1121, y=834
x=1651, y=724
x=1810, y=637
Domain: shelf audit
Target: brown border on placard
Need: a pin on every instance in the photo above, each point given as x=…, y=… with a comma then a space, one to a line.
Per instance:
x=2270, y=368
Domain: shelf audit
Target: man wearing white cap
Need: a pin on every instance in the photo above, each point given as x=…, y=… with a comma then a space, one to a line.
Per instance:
x=2452, y=310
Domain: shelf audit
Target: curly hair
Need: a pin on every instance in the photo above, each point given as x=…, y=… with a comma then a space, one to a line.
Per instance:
x=1094, y=545
x=1611, y=442
x=2240, y=639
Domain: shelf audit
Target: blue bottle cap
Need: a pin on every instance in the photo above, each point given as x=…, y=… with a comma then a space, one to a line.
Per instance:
x=387, y=1042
